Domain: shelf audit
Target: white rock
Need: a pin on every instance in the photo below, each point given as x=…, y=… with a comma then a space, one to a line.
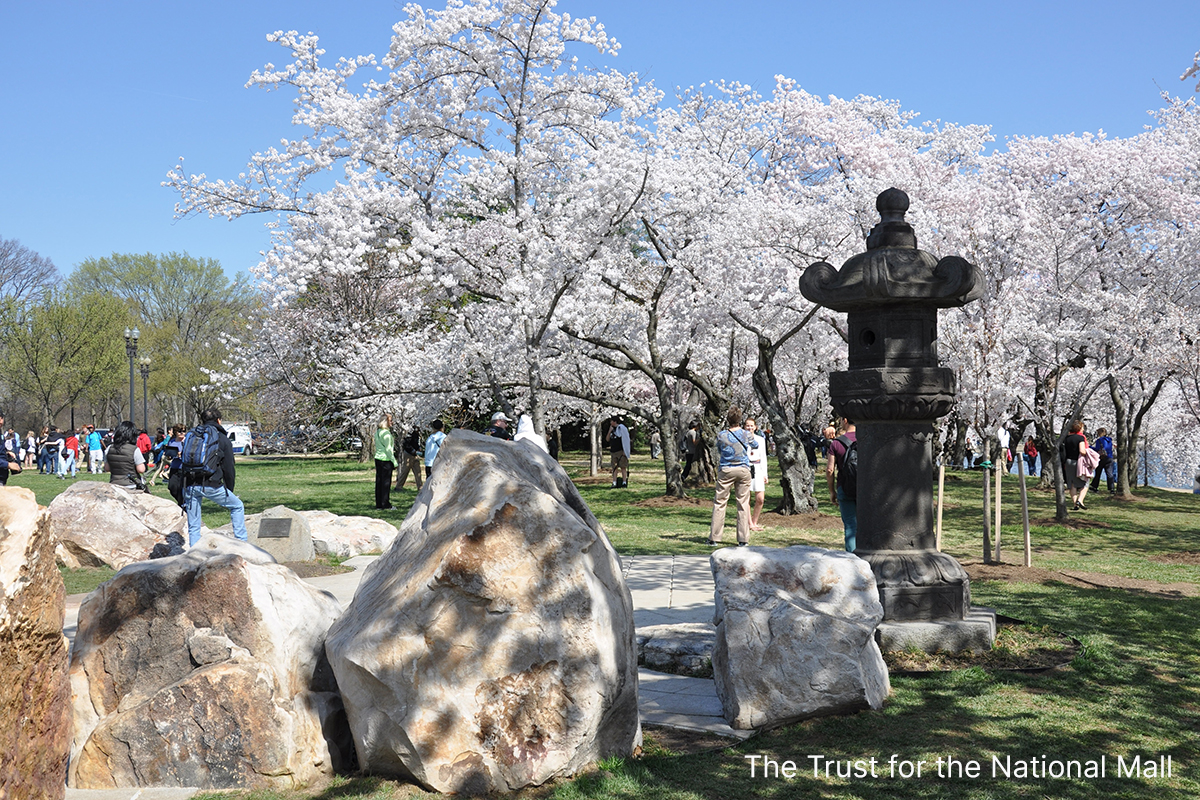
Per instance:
x=206, y=669
x=98, y=524
x=348, y=536
x=212, y=544
x=795, y=635
x=491, y=647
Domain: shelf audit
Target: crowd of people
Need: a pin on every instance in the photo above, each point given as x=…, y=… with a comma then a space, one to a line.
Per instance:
x=413, y=452
x=207, y=470
x=66, y=453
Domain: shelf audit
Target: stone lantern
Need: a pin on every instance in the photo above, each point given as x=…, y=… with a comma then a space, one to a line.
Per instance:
x=894, y=390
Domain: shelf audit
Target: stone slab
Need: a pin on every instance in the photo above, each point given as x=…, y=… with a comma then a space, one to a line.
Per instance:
x=975, y=634
x=681, y=649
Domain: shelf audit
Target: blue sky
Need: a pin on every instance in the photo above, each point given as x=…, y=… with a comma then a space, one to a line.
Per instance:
x=99, y=100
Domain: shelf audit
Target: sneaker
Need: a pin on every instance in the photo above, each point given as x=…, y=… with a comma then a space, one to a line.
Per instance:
x=711, y=543
x=743, y=544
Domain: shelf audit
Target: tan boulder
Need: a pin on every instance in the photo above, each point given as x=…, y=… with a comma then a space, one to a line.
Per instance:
x=491, y=647
x=206, y=669
x=34, y=690
x=348, y=536
x=98, y=524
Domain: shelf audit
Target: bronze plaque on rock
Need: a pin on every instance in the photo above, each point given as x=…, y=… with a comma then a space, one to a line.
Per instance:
x=275, y=528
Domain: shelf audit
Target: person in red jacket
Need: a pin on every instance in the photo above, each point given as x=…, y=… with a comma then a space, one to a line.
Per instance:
x=1031, y=455
x=70, y=456
x=145, y=445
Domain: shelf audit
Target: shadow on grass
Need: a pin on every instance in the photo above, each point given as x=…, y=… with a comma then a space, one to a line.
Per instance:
x=1131, y=692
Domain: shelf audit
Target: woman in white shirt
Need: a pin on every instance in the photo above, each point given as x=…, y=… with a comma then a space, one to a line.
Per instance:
x=758, y=468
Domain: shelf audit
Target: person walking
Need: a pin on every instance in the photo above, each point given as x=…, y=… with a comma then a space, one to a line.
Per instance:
x=1073, y=448
x=410, y=459
x=733, y=475
x=841, y=473
x=95, y=450
x=385, y=463
x=618, y=445
x=1108, y=461
x=70, y=456
x=215, y=480
x=758, y=473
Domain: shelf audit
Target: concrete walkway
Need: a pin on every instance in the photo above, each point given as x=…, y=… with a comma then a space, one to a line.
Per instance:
x=666, y=590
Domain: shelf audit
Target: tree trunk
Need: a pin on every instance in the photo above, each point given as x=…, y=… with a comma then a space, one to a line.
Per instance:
x=795, y=473
x=670, y=453
x=596, y=458
x=960, y=443
x=1122, y=425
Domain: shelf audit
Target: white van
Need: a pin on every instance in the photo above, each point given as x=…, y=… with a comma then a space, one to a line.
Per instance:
x=241, y=439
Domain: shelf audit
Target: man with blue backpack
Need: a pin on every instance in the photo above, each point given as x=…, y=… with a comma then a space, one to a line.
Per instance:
x=206, y=459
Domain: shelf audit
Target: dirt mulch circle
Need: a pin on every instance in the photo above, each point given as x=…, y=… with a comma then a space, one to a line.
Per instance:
x=770, y=519
x=315, y=569
x=812, y=522
x=1189, y=557
x=666, y=501
x=1012, y=573
x=1076, y=522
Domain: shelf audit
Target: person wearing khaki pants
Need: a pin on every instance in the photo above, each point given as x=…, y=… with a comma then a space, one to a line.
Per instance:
x=733, y=475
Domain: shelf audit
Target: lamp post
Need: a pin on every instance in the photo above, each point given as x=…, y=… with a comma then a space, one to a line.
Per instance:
x=131, y=337
x=144, y=368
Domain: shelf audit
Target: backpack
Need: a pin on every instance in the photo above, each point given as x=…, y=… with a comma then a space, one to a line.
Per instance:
x=200, y=455
x=849, y=468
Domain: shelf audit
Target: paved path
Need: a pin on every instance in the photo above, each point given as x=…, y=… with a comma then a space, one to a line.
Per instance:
x=665, y=590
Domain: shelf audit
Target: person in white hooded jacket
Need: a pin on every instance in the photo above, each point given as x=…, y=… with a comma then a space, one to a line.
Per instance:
x=525, y=432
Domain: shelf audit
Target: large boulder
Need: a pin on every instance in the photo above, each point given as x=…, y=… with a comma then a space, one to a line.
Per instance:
x=206, y=669
x=98, y=524
x=492, y=646
x=348, y=536
x=34, y=690
x=795, y=635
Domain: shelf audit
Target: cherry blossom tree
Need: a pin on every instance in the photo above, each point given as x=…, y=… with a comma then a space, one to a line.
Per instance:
x=471, y=184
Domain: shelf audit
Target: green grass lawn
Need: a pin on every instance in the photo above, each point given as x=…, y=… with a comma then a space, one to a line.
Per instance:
x=1132, y=690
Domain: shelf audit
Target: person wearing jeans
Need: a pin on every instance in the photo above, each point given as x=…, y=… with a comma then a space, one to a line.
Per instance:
x=835, y=476
x=217, y=486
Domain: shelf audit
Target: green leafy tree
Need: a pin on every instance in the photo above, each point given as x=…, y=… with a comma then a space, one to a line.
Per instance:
x=183, y=307
x=63, y=348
